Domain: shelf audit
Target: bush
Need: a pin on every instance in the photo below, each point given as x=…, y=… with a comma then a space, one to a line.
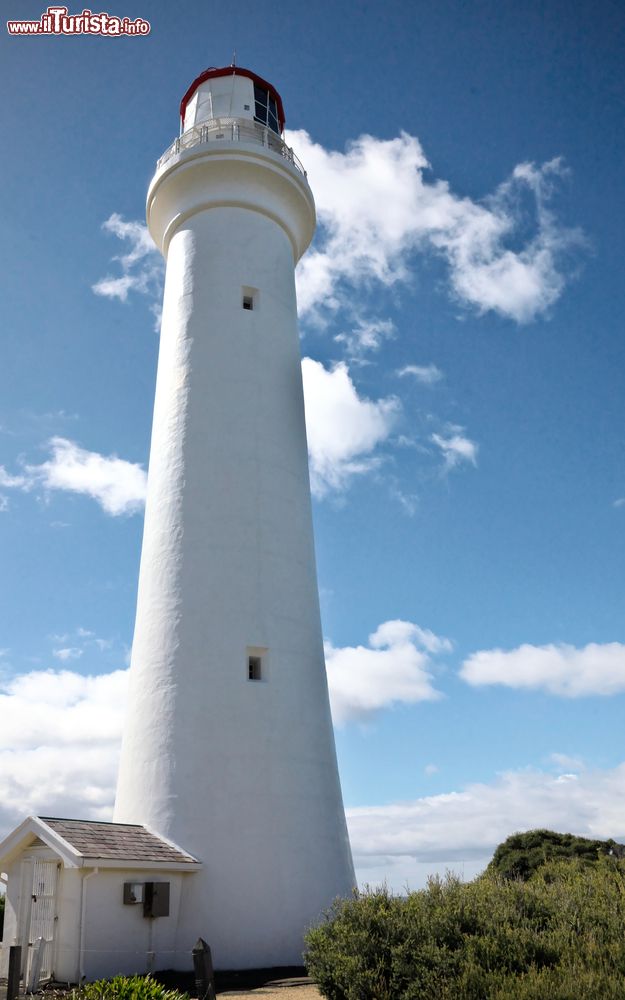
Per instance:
x=351, y=954
x=558, y=936
x=522, y=854
x=128, y=988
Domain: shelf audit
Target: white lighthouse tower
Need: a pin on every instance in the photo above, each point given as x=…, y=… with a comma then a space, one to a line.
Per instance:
x=228, y=748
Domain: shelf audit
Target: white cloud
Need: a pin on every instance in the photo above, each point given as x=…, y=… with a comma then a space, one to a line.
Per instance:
x=61, y=707
x=67, y=653
x=141, y=266
x=408, y=501
x=595, y=669
x=137, y=236
x=425, y=374
x=620, y=502
x=117, y=485
x=395, y=668
x=11, y=482
x=59, y=744
x=455, y=447
x=485, y=273
x=366, y=207
x=366, y=335
x=83, y=639
x=564, y=762
x=4, y=503
x=116, y=288
x=410, y=839
x=375, y=209
x=343, y=428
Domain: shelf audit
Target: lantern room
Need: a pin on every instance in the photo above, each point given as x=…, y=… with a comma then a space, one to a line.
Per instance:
x=231, y=92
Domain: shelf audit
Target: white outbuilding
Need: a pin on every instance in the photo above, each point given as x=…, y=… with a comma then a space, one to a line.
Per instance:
x=88, y=900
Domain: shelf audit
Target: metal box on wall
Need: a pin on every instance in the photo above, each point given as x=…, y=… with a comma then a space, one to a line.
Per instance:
x=156, y=899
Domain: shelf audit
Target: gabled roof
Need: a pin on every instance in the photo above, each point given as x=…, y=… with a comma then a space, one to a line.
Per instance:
x=88, y=844
x=126, y=841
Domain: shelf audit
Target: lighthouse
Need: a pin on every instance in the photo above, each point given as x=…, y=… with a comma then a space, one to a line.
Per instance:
x=228, y=749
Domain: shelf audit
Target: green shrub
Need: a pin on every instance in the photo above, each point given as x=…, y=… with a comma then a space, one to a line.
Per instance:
x=128, y=988
x=558, y=936
x=352, y=952
x=522, y=854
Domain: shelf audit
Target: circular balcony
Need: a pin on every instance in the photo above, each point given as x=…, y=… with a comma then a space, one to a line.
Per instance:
x=231, y=130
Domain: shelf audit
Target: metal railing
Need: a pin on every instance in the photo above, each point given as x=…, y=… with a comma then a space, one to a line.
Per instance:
x=231, y=130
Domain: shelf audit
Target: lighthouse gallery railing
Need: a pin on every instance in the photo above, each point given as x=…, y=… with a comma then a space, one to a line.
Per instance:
x=231, y=130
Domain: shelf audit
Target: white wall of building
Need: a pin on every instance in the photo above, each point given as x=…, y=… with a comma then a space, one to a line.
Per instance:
x=69, y=910
x=118, y=939
x=240, y=773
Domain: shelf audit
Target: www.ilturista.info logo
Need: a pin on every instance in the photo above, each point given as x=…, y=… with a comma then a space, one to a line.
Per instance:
x=58, y=21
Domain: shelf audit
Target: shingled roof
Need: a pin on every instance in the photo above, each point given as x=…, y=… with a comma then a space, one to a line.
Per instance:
x=116, y=841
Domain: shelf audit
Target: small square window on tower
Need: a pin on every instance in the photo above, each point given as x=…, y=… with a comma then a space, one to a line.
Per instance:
x=249, y=298
x=256, y=663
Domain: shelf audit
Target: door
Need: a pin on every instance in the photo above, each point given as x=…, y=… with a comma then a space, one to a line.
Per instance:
x=42, y=923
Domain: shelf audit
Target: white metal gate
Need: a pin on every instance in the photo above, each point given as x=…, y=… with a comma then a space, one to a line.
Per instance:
x=42, y=923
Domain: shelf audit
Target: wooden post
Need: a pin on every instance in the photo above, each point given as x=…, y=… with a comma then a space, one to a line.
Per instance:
x=204, y=975
x=35, y=965
x=15, y=962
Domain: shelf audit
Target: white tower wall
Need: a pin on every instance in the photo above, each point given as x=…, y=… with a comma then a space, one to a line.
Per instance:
x=221, y=97
x=242, y=773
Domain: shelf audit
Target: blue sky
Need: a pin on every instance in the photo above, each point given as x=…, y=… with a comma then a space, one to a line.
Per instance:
x=461, y=313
